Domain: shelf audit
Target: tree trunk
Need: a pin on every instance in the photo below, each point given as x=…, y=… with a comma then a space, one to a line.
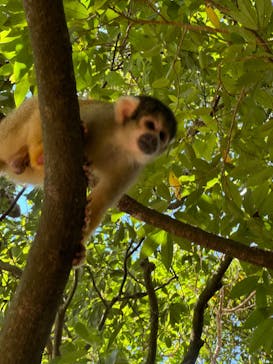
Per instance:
x=31, y=314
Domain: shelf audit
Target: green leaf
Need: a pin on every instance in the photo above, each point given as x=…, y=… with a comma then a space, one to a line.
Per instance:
x=90, y=335
x=261, y=300
x=205, y=148
x=160, y=237
x=75, y=10
x=98, y=4
x=21, y=90
x=141, y=41
x=267, y=206
x=167, y=253
x=70, y=354
x=255, y=318
x=116, y=357
x=244, y=287
x=114, y=79
x=260, y=177
x=265, y=99
x=246, y=14
x=161, y=83
x=148, y=247
x=264, y=10
x=262, y=336
x=176, y=310
x=114, y=334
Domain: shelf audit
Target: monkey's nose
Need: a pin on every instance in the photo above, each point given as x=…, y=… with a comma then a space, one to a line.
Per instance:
x=148, y=143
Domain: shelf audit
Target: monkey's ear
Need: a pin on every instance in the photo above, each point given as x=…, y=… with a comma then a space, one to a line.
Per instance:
x=125, y=107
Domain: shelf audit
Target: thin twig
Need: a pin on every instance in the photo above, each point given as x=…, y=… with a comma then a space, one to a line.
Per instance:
x=156, y=11
x=136, y=295
x=242, y=306
x=95, y=286
x=115, y=299
x=128, y=254
x=195, y=27
x=6, y=213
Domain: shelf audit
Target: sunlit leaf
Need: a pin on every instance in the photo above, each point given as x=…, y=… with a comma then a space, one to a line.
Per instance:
x=213, y=16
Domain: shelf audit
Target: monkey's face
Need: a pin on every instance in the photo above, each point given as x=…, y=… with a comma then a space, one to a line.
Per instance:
x=145, y=127
x=154, y=136
x=145, y=138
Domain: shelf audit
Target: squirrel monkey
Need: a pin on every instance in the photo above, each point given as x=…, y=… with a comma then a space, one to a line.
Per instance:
x=120, y=139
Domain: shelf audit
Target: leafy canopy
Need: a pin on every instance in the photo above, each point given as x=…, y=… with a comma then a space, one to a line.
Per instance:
x=212, y=63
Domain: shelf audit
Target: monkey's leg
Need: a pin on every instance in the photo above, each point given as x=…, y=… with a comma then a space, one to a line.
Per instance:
x=94, y=213
x=93, y=217
x=19, y=161
x=80, y=253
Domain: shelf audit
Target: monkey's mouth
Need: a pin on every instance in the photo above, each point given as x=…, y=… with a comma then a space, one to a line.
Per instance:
x=148, y=143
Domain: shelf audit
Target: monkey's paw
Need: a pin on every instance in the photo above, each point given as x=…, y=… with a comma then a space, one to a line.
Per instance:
x=79, y=256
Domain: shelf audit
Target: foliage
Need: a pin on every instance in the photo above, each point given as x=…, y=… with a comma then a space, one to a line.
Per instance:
x=213, y=64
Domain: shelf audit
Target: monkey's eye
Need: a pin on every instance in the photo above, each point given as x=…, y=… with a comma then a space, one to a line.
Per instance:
x=150, y=125
x=162, y=136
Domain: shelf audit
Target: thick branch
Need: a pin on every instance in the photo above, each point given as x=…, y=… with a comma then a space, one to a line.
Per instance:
x=260, y=257
x=33, y=309
x=212, y=286
x=154, y=314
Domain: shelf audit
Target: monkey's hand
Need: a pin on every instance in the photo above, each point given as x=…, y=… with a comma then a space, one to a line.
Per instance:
x=19, y=161
x=79, y=256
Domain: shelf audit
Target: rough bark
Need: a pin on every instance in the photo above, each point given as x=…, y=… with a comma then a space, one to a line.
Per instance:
x=34, y=306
